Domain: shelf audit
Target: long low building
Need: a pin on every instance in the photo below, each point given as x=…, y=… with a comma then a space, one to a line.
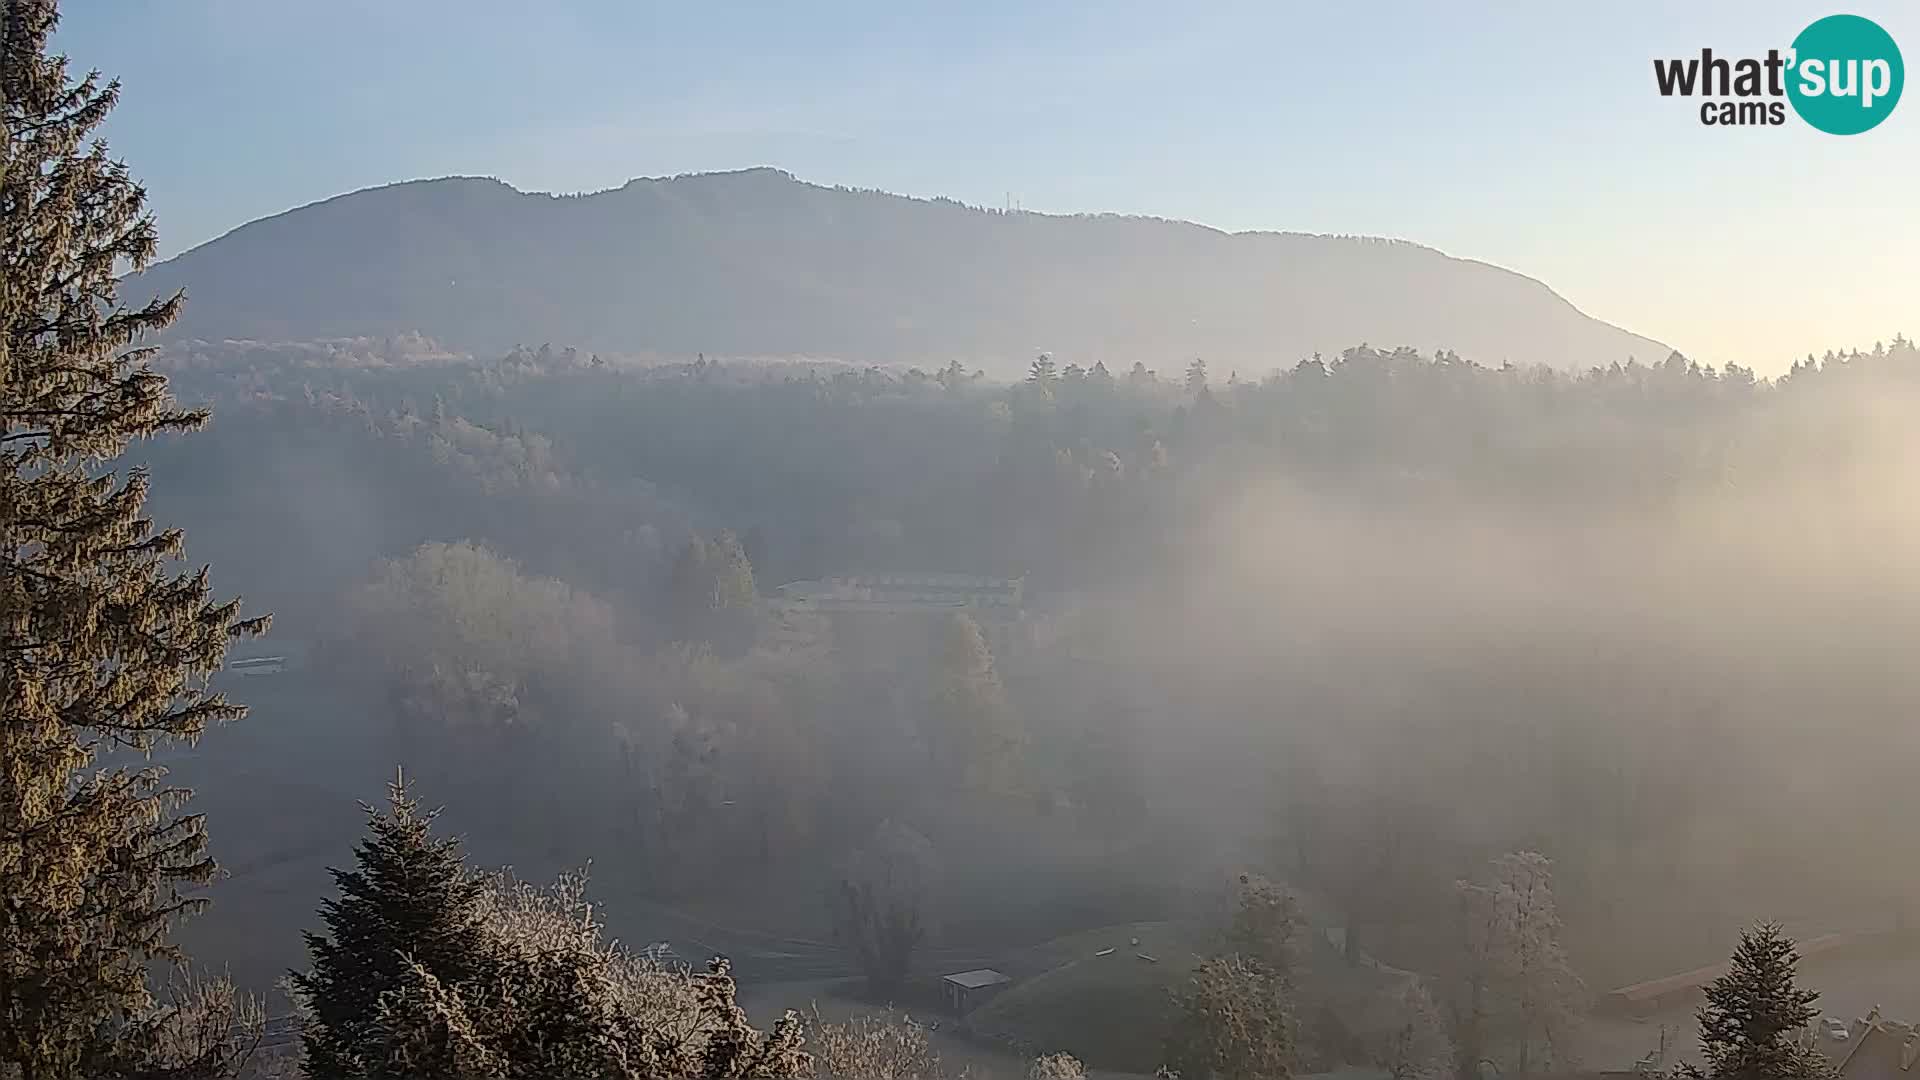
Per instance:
x=905, y=593
x=877, y=617
x=1662, y=993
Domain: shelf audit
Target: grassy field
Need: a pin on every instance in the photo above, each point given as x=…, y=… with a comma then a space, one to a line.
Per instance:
x=1115, y=1011
x=1112, y=1011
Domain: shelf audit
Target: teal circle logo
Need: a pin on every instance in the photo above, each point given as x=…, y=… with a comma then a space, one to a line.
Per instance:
x=1846, y=74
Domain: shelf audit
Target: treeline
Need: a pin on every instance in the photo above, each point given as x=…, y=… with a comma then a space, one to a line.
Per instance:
x=1074, y=474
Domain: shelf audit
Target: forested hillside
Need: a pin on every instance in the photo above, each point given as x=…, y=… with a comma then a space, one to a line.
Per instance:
x=757, y=263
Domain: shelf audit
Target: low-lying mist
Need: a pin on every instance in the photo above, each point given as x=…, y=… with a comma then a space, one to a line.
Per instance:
x=1361, y=627
x=1700, y=709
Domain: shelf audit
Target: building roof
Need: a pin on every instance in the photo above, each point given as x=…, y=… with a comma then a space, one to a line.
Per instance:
x=1881, y=1050
x=939, y=580
x=955, y=583
x=904, y=594
x=1654, y=989
x=977, y=978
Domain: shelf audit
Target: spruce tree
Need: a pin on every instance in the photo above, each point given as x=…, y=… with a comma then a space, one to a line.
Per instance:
x=421, y=1031
x=410, y=902
x=103, y=643
x=976, y=737
x=1751, y=1023
x=711, y=588
x=433, y=972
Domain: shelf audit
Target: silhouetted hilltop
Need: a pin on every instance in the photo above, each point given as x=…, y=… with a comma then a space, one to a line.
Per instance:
x=759, y=263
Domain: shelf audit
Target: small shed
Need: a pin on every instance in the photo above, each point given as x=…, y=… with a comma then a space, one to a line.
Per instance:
x=965, y=989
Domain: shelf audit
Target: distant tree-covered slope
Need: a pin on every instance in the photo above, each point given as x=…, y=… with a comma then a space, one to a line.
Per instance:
x=759, y=263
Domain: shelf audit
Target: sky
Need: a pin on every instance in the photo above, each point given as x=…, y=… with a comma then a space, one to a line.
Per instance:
x=1526, y=134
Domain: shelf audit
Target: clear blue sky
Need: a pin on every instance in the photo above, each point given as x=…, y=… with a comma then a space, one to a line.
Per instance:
x=1524, y=133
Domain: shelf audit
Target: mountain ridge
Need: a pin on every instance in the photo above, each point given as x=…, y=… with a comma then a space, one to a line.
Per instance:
x=757, y=262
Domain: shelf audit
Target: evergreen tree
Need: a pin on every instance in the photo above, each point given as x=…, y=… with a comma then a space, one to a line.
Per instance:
x=1043, y=373
x=435, y=973
x=421, y=1031
x=409, y=903
x=712, y=587
x=102, y=643
x=753, y=550
x=734, y=589
x=1750, y=1025
x=976, y=737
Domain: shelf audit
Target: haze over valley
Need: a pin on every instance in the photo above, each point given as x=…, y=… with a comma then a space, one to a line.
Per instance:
x=726, y=626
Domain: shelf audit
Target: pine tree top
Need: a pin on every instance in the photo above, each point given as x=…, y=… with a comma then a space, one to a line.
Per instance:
x=408, y=903
x=1750, y=1024
x=417, y=882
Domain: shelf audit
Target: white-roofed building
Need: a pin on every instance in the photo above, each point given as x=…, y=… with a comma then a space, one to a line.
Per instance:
x=966, y=989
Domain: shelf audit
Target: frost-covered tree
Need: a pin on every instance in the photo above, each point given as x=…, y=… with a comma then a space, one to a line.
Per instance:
x=421, y=1030
x=1056, y=1067
x=436, y=972
x=1518, y=998
x=1265, y=926
x=882, y=1046
x=1235, y=1022
x=104, y=641
x=1410, y=1042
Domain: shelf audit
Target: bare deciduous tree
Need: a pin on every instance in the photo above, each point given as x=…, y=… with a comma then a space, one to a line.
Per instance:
x=879, y=905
